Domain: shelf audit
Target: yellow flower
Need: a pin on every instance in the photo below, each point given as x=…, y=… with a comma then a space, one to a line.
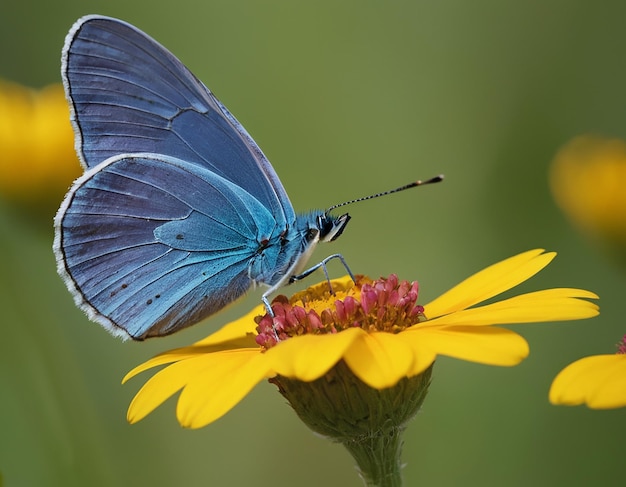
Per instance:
x=374, y=327
x=599, y=381
x=38, y=160
x=587, y=178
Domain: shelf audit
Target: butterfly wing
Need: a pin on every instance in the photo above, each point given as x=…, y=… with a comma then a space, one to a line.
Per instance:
x=129, y=94
x=150, y=244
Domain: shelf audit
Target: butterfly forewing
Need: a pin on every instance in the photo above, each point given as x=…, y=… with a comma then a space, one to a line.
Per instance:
x=129, y=94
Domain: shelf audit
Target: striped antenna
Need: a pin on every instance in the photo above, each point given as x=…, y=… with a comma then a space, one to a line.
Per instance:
x=414, y=184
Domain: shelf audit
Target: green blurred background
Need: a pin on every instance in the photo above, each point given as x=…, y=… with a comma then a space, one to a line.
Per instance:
x=346, y=98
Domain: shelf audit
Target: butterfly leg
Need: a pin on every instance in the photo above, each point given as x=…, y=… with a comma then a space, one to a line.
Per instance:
x=268, y=306
x=306, y=273
x=322, y=264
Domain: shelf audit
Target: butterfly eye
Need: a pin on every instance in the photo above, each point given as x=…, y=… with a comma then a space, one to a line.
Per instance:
x=324, y=225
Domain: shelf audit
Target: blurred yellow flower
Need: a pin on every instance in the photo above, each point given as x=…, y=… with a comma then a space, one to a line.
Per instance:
x=599, y=381
x=374, y=327
x=38, y=161
x=588, y=180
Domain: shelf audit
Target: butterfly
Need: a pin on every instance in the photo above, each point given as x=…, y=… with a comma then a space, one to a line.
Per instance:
x=178, y=212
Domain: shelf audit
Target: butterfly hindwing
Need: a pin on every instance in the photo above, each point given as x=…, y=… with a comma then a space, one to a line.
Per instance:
x=138, y=240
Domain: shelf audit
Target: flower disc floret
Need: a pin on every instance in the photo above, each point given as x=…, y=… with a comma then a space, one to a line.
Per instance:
x=385, y=304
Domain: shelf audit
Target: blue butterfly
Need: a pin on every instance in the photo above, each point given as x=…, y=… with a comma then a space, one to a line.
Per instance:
x=178, y=212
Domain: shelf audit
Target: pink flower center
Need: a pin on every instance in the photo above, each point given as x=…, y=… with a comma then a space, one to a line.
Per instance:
x=382, y=305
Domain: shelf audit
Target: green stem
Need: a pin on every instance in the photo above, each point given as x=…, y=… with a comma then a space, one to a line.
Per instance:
x=378, y=458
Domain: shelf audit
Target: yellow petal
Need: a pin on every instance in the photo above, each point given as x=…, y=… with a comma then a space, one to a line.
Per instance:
x=161, y=386
x=540, y=306
x=485, y=345
x=185, y=353
x=308, y=357
x=225, y=379
x=242, y=327
x=423, y=354
x=599, y=381
x=490, y=282
x=380, y=359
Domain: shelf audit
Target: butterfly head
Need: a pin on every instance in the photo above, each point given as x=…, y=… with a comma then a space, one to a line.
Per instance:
x=330, y=227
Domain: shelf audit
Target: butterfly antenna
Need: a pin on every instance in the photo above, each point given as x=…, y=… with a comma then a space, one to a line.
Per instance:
x=414, y=184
